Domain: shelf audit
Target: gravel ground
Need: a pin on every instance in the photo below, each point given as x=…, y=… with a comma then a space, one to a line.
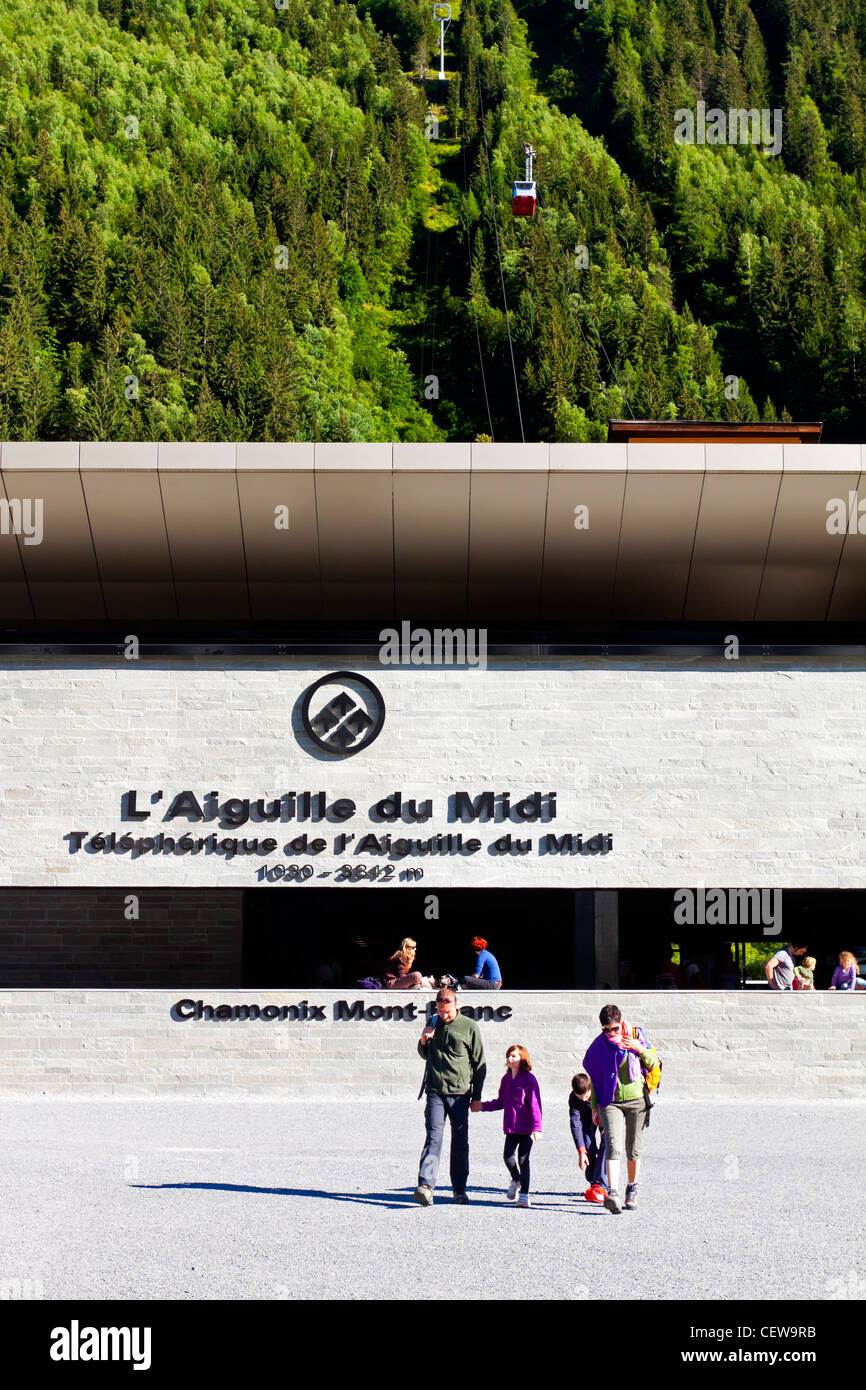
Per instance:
x=250, y=1200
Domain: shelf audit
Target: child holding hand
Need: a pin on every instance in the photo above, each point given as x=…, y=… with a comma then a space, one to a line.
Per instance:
x=590, y=1155
x=520, y=1100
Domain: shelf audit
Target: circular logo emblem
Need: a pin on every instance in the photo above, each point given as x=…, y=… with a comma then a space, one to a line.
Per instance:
x=343, y=713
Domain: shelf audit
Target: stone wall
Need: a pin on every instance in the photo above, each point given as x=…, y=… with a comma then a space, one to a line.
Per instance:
x=65, y=937
x=125, y=1043
x=726, y=773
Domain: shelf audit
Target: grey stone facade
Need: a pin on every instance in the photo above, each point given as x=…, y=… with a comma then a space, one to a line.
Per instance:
x=730, y=773
x=125, y=1043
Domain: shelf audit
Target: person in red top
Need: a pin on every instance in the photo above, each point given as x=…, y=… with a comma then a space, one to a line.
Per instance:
x=520, y=1099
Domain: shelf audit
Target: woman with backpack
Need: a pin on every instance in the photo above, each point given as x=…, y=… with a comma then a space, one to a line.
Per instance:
x=614, y=1063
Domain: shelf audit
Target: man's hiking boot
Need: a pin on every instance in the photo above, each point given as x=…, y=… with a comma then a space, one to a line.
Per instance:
x=423, y=1195
x=612, y=1202
x=631, y=1197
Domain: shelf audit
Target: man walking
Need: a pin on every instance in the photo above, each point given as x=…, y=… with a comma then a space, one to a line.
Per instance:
x=454, y=1077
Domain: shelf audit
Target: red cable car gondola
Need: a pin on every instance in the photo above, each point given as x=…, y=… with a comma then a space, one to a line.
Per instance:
x=524, y=194
x=523, y=199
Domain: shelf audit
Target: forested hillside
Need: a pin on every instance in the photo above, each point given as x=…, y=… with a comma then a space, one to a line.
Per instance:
x=229, y=220
x=770, y=250
x=210, y=197
x=575, y=312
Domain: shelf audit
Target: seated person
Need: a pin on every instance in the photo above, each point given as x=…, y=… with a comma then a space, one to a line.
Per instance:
x=397, y=971
x=846, y=972
x=487, y=973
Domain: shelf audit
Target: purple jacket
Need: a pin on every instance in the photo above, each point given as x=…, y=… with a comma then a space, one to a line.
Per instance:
x=844, y=979
x=602, y=1061
x=520, y=1099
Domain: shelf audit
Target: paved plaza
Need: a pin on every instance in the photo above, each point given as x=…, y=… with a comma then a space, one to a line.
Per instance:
x=249, y=1200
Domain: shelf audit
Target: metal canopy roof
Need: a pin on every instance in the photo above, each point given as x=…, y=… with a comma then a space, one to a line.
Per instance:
x=694, y=532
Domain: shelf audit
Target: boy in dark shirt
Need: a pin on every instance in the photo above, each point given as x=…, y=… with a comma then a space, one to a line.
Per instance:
x=583, y=1132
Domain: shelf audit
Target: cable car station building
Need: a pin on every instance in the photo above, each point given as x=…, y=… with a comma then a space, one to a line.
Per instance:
x=268, y=709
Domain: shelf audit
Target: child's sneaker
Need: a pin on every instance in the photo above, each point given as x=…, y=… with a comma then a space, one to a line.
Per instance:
x=523, y=1200
x=595, y=1193
x=512, y=1189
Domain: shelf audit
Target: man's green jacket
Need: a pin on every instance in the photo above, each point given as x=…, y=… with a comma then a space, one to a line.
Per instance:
x=455, y=1058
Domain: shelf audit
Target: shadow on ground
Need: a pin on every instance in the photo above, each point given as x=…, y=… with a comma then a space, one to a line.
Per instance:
x=395, y=1199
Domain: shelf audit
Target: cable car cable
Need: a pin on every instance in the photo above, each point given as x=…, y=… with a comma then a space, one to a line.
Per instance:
x=434, y=333
x=550, y=234
x=537, y=202
x=426, y=309
x=469, y=247
x=430, y=331
x=498, y=254
x=568, y=293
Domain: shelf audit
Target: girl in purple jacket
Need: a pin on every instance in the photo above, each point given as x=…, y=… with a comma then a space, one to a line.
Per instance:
x=520, y=1100
x=846, y=972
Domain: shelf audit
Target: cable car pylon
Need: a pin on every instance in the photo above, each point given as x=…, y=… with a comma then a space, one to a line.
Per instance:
x=442, y=14
x=524, y=193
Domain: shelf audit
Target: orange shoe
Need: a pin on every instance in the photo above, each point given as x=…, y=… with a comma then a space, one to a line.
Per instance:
x=594, y=1193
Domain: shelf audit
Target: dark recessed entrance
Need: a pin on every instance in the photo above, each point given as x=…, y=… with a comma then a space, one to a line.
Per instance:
x=331, y=937
x=306, y=938
x=825, y=920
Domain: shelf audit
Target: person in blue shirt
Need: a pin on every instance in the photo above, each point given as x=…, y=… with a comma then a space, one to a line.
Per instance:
x=487, y=973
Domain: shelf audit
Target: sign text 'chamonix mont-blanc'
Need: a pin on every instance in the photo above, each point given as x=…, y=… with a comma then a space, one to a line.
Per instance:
x=196, y=824
x=341, y=1011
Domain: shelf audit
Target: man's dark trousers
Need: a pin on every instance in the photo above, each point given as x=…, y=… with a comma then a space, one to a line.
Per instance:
x=457, y=1110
